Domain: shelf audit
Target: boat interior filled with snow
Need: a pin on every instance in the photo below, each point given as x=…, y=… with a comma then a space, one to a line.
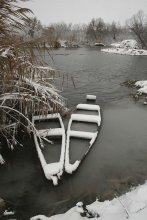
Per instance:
x=82, y=131
x=50, y=144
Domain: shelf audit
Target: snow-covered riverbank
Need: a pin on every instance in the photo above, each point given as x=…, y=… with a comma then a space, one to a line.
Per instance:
x=132, y=205
x=126, y=47
x=123, y=51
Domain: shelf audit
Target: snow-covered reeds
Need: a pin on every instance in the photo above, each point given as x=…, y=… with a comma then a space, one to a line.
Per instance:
x=25, y=81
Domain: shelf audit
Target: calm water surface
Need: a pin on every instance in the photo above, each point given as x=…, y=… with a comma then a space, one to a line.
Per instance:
x=118, y=158
x=98, y=73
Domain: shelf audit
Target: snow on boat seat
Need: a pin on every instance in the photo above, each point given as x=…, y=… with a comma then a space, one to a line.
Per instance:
x=51, y=132
x=45, y=117
x=85, y=135
x=82, y=134
x=88, y=107
x=52, y=171
x=91, y=97
x=86, y=118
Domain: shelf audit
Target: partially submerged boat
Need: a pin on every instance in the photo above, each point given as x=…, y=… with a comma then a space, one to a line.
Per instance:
x=86, y=116
x=47, y=144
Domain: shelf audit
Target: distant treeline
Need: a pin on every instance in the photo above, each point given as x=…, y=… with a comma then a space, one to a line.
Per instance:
x=96, y=31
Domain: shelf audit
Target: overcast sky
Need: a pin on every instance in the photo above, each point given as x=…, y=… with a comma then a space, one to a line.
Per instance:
x=82, y=11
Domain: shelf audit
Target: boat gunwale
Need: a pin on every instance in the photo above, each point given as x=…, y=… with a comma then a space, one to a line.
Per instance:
x=51, y=172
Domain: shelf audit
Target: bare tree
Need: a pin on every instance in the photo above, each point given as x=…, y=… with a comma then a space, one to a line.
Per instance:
x=91, y=30
x=138, y=25
x=62, y=30
x=34, y=27
x=96, y=29
x=114, y=30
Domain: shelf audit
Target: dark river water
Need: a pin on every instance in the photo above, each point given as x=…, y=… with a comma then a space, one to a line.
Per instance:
x=118, y=158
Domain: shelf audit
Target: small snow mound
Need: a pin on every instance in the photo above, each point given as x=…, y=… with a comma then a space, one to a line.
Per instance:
x=129, y=44
x=142, y=86
x=8, y=213
x=79, y=204
x=39, y=217
x=79, y=207
x=141, y=83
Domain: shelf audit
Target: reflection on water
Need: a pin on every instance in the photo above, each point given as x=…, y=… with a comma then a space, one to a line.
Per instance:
x=118, y=157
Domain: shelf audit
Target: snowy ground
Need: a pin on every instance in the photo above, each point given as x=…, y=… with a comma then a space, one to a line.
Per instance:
x=126, y=47
x=132, y=205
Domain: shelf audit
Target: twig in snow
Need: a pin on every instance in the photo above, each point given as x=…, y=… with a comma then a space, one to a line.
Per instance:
x=124, y=207
x=141, y=208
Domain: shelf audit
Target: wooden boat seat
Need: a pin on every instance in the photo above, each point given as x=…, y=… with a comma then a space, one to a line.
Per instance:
x=86, y=118
x=51, y=132
x=45, y=117
x=82, y=134
x=88, y=107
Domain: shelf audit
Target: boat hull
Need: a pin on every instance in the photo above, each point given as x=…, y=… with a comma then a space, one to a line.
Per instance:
x=52, y=171
x=87, y=119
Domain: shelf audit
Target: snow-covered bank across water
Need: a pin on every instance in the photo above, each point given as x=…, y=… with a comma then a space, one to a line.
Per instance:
x=132, y=205
x=125, y=47
x=123, y=51
x=142, y=86
x=132, y=44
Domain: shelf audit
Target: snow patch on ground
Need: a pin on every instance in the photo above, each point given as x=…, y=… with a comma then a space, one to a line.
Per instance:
x=132, y=205
x=142, y=86
x=125, y=47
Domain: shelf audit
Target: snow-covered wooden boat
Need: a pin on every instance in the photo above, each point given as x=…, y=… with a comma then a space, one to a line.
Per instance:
x=92, y=116
x=52, y=170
